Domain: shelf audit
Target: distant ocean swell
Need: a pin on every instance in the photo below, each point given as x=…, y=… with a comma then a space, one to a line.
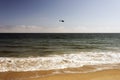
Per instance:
x=62, y=61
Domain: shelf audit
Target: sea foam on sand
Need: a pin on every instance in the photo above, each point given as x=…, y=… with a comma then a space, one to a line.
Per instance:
x=58, y=61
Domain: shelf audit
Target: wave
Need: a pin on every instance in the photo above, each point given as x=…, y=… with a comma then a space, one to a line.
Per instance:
x=71, y=60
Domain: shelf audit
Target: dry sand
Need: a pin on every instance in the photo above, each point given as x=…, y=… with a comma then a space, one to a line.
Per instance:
x=99, y=75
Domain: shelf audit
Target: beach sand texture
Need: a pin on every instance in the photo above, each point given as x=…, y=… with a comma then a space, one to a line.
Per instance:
x=34, y=75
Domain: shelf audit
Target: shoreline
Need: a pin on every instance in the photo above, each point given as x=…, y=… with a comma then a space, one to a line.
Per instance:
x=111, y=74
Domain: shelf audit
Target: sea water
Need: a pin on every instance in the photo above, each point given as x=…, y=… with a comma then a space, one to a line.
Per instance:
x=51, y=51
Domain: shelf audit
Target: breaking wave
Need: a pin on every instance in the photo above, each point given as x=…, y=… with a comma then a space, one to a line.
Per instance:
x=73, y=60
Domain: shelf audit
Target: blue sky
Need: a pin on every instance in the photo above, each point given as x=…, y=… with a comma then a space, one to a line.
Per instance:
x=81, y=16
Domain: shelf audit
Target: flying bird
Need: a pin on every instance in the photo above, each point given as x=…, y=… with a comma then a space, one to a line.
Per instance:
x=61, y=21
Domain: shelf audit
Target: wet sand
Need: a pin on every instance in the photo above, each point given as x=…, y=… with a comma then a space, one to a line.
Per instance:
x=99, y=75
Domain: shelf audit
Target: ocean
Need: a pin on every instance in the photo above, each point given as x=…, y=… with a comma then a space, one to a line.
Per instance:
x=55, y=51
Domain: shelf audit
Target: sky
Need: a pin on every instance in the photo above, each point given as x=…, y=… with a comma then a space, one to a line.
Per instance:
x=42, y=16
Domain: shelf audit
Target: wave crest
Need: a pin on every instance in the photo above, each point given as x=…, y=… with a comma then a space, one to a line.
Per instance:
x=58, y=61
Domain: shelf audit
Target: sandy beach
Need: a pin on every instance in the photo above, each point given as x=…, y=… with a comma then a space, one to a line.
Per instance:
x=99, y=75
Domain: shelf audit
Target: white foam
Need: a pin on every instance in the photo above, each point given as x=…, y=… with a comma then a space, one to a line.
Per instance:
x=58, y=61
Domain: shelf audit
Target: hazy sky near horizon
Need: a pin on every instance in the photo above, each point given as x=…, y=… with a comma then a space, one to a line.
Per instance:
x=43, y=16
